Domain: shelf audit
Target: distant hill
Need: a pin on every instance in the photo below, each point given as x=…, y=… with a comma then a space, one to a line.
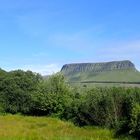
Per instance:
x=115, y=71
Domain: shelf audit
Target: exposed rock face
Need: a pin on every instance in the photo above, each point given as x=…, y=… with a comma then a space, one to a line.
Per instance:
x=98, y=67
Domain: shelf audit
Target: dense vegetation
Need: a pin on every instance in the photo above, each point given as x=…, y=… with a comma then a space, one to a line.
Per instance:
x=28, y=93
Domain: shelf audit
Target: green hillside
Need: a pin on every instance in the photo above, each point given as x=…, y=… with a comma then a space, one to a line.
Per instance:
x=112, y=76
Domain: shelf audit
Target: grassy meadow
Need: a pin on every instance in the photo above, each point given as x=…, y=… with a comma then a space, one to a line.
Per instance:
x=17, y=127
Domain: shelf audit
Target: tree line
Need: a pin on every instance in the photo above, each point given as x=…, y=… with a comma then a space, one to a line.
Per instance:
x=29, y=93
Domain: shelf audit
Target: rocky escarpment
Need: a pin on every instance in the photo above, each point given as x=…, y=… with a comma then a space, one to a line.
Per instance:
x=116, y=71
x=98, y=67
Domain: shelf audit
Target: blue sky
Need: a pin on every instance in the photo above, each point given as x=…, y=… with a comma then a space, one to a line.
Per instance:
x=42, y=35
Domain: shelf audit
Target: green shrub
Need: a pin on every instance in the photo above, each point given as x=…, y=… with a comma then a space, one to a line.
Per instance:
x=135, y=121
x=51, y=97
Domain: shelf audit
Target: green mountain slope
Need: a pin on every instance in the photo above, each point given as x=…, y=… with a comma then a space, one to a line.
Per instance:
x=116, y=76
x=116, y=71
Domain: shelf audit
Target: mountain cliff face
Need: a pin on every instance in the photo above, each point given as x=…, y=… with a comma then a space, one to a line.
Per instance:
x=98, y=67
x=107, y=71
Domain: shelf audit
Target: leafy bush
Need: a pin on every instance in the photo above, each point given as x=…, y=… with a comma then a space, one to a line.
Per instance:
x=51, y=97
x=135, y=121
x=15, y=90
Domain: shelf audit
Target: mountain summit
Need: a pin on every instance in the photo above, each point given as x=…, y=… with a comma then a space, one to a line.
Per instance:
x=106, y=71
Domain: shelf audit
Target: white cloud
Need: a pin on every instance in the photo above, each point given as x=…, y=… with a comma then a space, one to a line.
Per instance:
x=43, y=69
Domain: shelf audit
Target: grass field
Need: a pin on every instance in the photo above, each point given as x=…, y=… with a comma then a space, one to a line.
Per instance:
x=83, y=86
x=16, y=127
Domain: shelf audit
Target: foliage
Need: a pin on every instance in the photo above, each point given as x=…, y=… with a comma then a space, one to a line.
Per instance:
x=112, y=107
x=51, y=97
x=15, y=90
x=135, y=121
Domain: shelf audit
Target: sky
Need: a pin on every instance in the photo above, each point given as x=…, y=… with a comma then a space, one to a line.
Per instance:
x=42, y=35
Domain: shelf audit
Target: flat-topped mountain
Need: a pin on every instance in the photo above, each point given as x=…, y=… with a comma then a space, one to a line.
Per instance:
x=107, y=71
x=98, y=67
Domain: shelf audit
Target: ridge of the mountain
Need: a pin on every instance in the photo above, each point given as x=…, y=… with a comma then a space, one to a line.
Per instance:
x=98, y=67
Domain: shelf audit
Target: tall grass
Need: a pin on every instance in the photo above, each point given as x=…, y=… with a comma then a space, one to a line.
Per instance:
x=16, y=127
